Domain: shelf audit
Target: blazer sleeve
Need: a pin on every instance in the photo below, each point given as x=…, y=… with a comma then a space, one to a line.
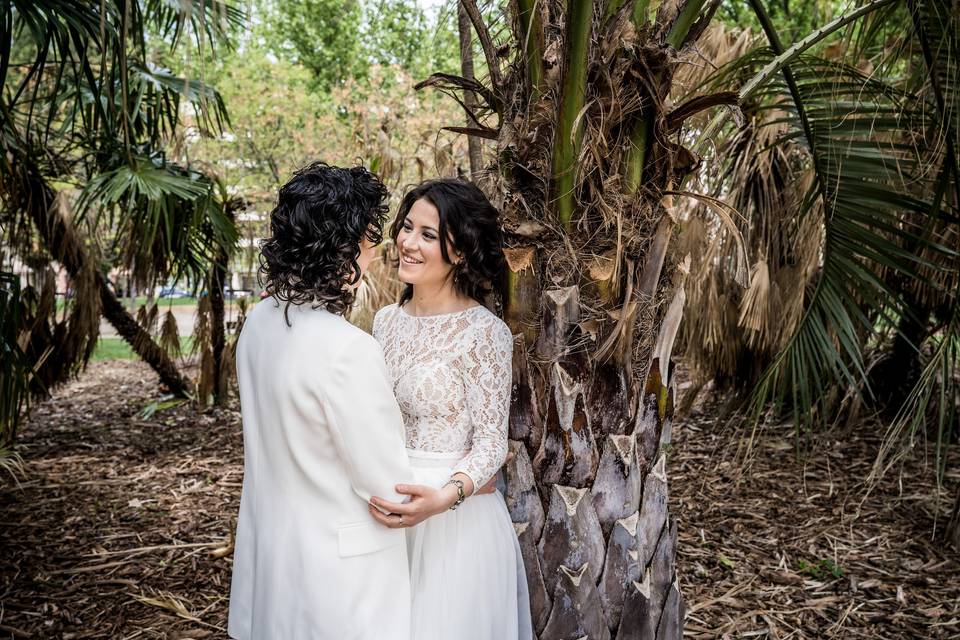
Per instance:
x=365, y=421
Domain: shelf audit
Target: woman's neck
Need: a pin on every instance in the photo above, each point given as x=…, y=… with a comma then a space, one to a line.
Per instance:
x=434, y=300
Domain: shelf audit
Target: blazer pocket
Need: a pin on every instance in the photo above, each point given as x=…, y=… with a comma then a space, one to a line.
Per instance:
x=366, y=537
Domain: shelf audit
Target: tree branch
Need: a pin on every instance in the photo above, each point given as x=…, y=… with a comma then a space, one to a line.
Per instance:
x=483, y=34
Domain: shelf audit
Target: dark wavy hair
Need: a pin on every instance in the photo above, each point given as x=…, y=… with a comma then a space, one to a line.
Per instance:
x=471, y=225
x=321, y=216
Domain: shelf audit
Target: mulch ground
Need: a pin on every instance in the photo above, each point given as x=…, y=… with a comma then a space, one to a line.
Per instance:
x=120, y=527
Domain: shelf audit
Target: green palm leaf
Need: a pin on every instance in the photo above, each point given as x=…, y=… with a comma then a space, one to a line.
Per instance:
x=871, y=184
x=166, y=220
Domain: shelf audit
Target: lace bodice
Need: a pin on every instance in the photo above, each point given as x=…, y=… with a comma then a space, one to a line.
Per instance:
x=451, y=376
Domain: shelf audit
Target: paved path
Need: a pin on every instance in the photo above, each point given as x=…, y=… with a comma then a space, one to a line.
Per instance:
x=185, y=315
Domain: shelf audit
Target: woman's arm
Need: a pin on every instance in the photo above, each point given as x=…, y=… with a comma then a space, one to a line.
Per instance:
x=487, y=379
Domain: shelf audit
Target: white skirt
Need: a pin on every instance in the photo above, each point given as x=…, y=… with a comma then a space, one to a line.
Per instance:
x=466, y=573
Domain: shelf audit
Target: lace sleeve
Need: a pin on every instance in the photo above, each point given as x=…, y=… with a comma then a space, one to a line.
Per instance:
x=487, y=375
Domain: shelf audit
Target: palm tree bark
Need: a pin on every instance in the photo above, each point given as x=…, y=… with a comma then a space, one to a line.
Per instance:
x=474, y=146
x=591, y=425
x=953, y=526
x=66, y=248
x=218, y=276
x=218, y=280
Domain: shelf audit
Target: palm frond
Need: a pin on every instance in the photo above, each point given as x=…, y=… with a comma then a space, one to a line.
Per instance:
x=870, y=185
x=166, y=219
x=211, y=21
x=91, y=72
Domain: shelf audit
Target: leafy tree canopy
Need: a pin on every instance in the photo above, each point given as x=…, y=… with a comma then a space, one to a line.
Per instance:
x=337, y=40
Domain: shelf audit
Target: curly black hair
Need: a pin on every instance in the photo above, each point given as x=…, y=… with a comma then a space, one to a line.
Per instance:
x=471, y=225
x=321, y=216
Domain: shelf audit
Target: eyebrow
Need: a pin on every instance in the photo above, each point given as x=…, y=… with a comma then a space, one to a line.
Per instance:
x=426, y=227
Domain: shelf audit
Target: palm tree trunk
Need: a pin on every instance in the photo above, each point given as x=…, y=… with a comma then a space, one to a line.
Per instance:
x=65, y=247
x=953, y=526
x=141, y=341
x=474, y=145
x=590, y=428
x=217, y=282
x=218, y=276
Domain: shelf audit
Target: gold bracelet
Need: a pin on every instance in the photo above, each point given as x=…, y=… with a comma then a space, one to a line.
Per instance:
x=461, y=496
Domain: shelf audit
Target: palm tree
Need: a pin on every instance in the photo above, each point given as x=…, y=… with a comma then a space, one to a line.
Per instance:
x=847, y=178
x=83, y=105
x=591, y=157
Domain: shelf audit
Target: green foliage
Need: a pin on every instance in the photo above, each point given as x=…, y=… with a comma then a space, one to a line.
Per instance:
x=88, y=105
x=158, y=406
x=341, y=40
x=854, y=140
x=91, y=108
x=323, y=36
x=399, y=32
x=794, y=20
x=165, y=218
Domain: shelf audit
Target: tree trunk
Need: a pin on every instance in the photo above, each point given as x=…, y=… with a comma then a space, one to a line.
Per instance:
x=218, y=276
x=953, y=526
x=140, y=340
x=66, y=248
x=594, y=301
x=474, y=145
x=217, y=282
x=895, y=376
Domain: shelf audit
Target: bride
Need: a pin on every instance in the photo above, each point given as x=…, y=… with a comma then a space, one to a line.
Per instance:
x=449, y=359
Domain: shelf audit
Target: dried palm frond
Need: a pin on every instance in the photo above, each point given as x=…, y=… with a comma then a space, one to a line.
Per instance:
x=202, y=329
x=205, y=380
x=379, y=288
x=147, y=317
x=170, y=335
x=168, y=601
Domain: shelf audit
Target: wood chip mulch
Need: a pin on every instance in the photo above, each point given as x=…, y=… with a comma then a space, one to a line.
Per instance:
x=121, y=527
x=794, y=547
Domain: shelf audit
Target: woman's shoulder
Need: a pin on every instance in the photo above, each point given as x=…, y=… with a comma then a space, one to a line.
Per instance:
x=487, y=325
x=383, y=315
x=387, y=311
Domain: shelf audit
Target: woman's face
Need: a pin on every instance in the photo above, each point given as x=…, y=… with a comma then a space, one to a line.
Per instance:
x=421, y=262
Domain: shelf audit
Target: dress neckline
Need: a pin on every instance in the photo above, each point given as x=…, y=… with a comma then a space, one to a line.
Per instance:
x=439, y=315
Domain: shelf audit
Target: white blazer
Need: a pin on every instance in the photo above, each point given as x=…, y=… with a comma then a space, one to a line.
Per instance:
x=322, y=432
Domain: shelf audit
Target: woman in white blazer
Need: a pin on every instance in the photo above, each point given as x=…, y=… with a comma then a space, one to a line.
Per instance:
x=321, y=429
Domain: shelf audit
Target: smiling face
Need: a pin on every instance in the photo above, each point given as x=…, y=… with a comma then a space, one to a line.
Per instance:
x=421, y=260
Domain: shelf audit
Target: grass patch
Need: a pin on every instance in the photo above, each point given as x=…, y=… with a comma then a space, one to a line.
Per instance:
x=112, y=349
x=162, y=303
x=168, y=302
x=116, y=348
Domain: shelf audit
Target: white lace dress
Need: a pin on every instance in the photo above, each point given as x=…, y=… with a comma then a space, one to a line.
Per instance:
x=451, y=375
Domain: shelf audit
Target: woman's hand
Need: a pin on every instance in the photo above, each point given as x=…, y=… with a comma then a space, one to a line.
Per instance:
x=424, y=503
